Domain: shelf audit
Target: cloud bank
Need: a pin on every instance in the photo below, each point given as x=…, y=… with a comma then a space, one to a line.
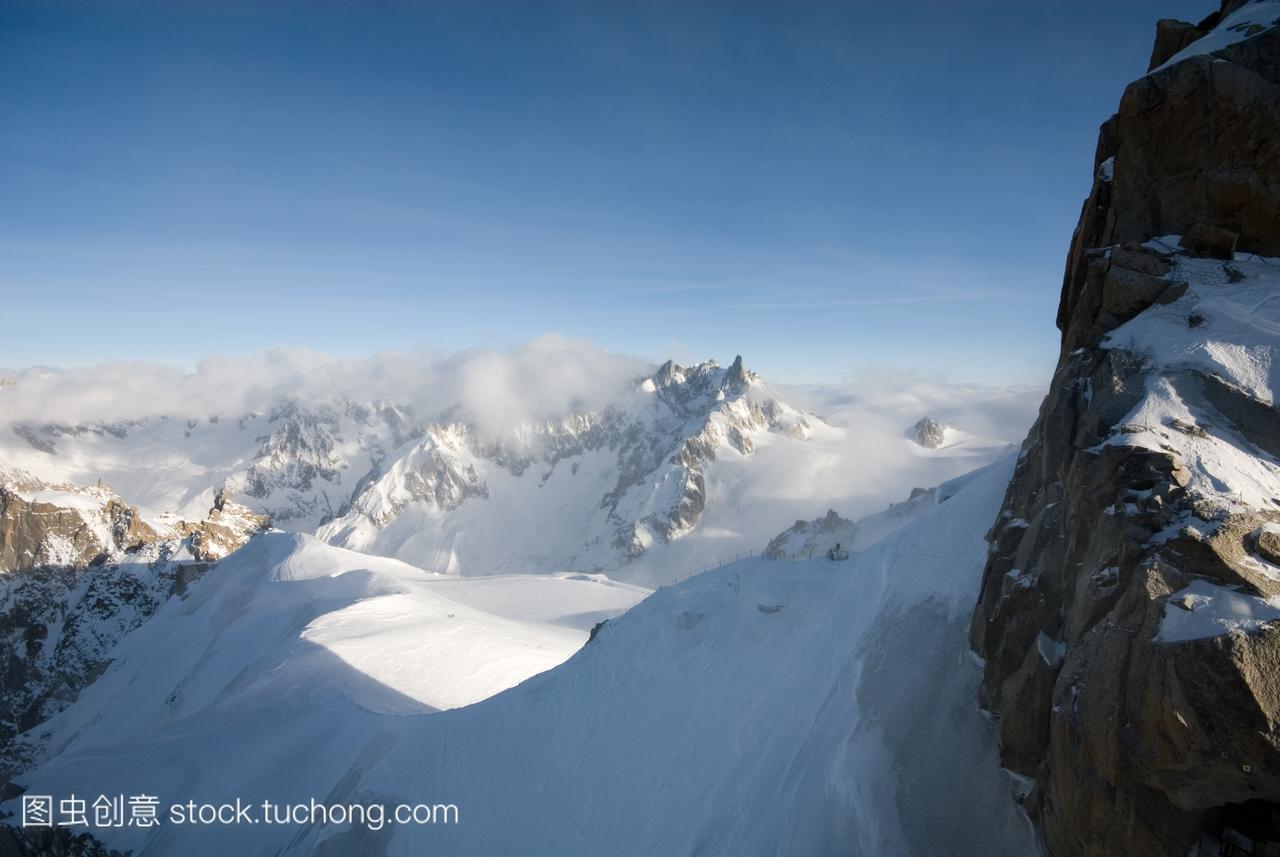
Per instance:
x=544, y=379
x=494, y=389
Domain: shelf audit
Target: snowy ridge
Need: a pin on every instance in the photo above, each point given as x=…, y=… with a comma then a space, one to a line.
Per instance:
x=761, y=684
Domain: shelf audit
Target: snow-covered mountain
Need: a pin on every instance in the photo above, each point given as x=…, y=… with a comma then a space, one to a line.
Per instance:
x=683, y=467
x=299, y=465
x=1119, y=580
x=592, y=491
x=762, y=708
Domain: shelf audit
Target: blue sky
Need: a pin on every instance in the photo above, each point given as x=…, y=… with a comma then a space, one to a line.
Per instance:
x=820, y=186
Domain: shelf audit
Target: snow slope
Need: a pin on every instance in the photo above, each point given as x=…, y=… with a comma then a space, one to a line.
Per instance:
x=1213, y=348
x=763, y=708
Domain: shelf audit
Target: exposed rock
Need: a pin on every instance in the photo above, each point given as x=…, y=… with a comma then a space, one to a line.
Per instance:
x=1140, y=743
x=75, y=526
x=1171, y=36
x=81, y=569
x=1267, y=543
x=34, y=439
x=807, y=539
x=929, y=433
x=65, y=525
x=1215, y=242
x=1198, y=144
x=737, y=377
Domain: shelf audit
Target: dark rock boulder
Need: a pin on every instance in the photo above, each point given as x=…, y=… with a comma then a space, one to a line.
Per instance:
x=1199, y=143
x=1171, y=36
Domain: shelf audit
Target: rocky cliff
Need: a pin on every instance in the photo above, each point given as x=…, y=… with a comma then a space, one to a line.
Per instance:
x=79, y=569
x=1127, y=618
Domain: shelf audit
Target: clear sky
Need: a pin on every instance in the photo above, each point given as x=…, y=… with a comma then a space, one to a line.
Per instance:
x=820, y=186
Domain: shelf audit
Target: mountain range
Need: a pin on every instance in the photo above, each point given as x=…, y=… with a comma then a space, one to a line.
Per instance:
x=1070, y=647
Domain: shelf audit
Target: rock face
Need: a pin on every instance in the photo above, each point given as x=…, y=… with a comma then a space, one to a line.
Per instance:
x=929, y=433
x=807, y=539
x=79, y=569
x=74, y=526
x=66, y=527
x=1130, y=651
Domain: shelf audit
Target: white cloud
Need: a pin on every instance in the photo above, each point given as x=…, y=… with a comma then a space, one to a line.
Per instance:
x=496, y=389
x=902, y=396
x=858, y=470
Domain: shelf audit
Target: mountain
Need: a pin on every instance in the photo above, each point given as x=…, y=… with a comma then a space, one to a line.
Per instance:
x=298, y=465
x=1109, y=594
x=81, y=569
x=929, y=433
x=592, y=491
x=683, y=467
x=839, y=695
x=1128, y=612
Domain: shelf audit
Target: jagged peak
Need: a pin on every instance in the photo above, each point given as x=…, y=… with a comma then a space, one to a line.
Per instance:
x=929, y=433
x=735, y=377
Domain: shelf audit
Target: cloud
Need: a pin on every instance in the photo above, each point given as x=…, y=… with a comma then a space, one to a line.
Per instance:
x=872, y=462
x=858, y=469
x=902, y=396
x=495, y=389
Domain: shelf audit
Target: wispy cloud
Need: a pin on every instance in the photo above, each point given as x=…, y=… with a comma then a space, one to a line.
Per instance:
x=542, y=379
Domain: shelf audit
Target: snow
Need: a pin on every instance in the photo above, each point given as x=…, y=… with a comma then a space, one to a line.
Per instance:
x=1236, y=27
x=1236, y=341
x=81, y=501
x=759, y=709
x=1204, y=610
x=1051, y=651
x=549, y=519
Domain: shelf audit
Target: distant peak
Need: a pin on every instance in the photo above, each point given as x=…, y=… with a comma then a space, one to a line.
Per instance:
x=737, y=374
x=668, y=373
x=930, y=433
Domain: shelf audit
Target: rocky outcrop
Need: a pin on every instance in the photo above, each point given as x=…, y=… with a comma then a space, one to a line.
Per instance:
x=929, y=433
x=1123, y=618
x=706, y=408
x=224, y=530
x=81, y=569
x=1195, y=144
x=65, y=525
x=75, y=526
x=807, y=539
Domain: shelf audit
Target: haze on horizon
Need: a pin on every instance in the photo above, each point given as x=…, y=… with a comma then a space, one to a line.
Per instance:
x=819, y=186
